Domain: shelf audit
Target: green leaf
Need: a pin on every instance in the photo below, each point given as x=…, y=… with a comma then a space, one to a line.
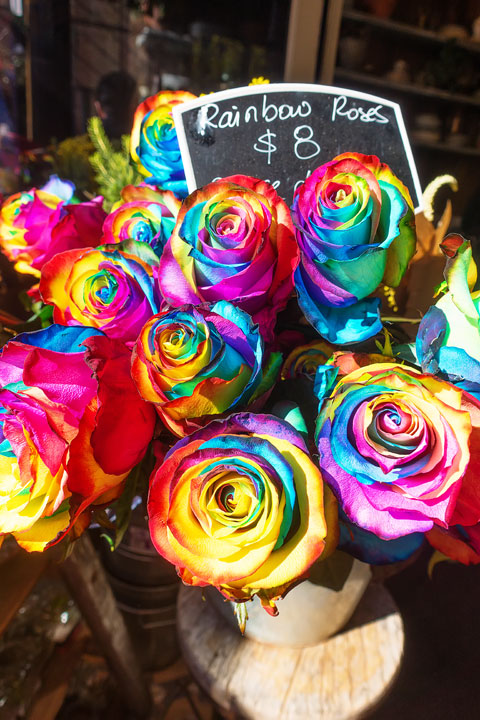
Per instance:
x=270, y=375
x=386, y=348
x=26, y=300
x=289, y=411
x=333, y=572
x=100, y=516
x=67, y=548
x=42, y=313
x=241, y=613
x=406, y=352
x=437, y=557
x=300, y=391
x=109, y=541
x=97, y=135
x=123, y=506
x=113, y=168
x=456, y=274
x=441, y=288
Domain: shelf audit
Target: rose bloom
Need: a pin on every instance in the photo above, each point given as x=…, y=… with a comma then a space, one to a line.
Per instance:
x=395, y=447
x=145, y=214
x=110, y=287
x=198, y=362
x=239, y=505
x=154, y=144
x=448, y=338
x=37, y=224
x=304, y=360
x=146, y=192
x=233, y=241
x=355, y=228
x=72, y=426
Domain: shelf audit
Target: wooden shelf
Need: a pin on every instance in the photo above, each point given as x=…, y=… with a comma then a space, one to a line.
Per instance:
x=444, y=147
x=425, y=92
x=401, y=28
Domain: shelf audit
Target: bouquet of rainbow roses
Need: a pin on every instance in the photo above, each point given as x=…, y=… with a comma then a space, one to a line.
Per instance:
x=180, y=331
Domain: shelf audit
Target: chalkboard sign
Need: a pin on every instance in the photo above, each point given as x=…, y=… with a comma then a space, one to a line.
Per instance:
x=282, y=132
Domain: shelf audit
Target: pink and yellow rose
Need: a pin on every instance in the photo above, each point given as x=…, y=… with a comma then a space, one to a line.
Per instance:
x=72, y=426
x=37, y=224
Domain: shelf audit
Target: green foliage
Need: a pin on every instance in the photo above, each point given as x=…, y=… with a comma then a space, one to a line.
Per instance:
x=72, y=161
x=136, y=484
x=436, y=557
x=241, y=613
x=123, y=505
x=113, y=168
x=40, y=314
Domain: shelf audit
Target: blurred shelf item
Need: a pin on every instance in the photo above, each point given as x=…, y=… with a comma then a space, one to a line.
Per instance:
x=425, y=92
x=401, y=28
x=432, y=73
x=445, y=147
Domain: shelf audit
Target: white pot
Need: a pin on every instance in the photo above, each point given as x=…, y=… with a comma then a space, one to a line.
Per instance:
x=307, y=615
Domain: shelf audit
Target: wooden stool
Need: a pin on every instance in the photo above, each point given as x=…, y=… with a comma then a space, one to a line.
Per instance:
x=339, y=679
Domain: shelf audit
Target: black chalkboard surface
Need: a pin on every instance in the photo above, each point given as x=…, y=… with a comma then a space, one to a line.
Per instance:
x=282, y=132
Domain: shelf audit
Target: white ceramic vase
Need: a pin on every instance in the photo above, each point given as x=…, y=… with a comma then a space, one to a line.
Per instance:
x=308, y=614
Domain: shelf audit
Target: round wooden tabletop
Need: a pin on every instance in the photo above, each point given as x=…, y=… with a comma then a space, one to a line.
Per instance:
x=339, y=679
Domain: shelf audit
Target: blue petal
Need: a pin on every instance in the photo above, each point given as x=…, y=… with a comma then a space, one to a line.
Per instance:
x=369, y=548
x=63, y=189
x=324, y=380
x=430, y=336
x=59, y=338
x=460, y=369
x=342, y=325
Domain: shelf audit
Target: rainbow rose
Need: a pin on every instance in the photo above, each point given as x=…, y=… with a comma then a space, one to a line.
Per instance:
x=145, y=192
x=37, y=224
x=355, y=228
x=458, y=542
x=304, y=360
x=197, y=362
x=395, y=445
x=239, y=505
x=448, y=338
x=110, y=287
x=67, y=439
x=233, y=241
x=144, y=214
x=154, y=144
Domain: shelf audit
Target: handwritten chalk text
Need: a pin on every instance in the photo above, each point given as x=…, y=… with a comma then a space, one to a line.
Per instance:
x=341, y=109
x=210, y=115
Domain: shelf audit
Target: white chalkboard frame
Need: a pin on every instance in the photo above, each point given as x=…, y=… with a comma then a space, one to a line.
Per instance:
x=233, y=93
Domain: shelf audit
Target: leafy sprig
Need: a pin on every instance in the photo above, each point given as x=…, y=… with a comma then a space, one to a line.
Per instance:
x=113, y=168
